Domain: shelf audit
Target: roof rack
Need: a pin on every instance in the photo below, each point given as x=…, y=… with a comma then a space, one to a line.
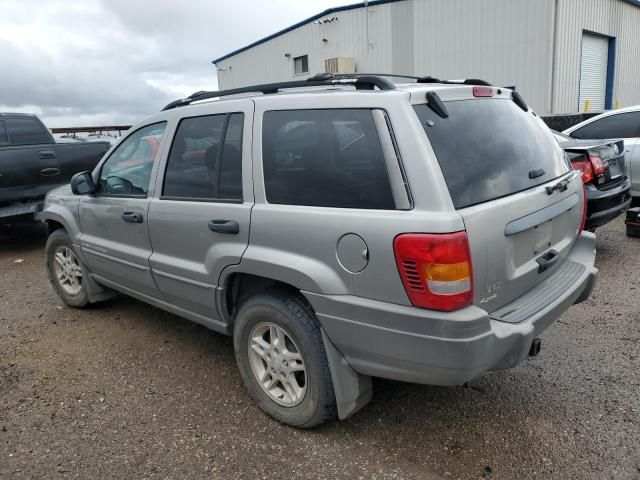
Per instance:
x=359, y=81
x=418, y=79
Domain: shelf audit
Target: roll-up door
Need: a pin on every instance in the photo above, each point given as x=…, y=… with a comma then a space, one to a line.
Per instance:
x=593, y=71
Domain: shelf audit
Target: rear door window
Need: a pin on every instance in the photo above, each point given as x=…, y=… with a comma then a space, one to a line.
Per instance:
x=488, y=149
x=26, y=131
x=330, y=158
x=620, y=125
x=205, y=162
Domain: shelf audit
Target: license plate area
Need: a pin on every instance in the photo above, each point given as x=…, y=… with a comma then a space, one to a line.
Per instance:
x=614, y=169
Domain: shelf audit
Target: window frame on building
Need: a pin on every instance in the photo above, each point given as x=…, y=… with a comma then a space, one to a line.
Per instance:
x=304, y=65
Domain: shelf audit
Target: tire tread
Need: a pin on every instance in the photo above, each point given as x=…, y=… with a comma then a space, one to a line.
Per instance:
x=300, y=309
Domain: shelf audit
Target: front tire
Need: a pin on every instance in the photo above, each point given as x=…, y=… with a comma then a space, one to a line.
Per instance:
x=65, y=270
x=281, y=357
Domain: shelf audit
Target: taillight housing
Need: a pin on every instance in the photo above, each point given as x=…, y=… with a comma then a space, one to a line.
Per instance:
x=584, y=165
x=591, y=167
x=597, y=164
x=435, y=269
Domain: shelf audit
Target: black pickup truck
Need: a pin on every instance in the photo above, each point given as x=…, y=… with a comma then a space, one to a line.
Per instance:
x=32, y=163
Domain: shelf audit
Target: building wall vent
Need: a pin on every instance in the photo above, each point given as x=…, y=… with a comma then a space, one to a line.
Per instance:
x=340, y=65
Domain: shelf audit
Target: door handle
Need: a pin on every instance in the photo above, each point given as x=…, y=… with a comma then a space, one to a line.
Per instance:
x=132, y=217
x=50, y=172
x=547, y=260
x=46, y=154
x=224, y=226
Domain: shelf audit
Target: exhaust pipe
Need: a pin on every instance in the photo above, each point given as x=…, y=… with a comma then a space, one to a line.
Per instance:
x=536, y=345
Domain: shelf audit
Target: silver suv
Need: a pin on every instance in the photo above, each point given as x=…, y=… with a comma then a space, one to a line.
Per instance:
x=426, y=232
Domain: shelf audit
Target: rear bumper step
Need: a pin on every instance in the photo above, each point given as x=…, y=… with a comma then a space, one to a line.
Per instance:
x=542, y=295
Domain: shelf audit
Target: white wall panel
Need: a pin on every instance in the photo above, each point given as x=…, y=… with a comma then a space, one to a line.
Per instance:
x=344, y=37
x=614, y=18
x=507, y=42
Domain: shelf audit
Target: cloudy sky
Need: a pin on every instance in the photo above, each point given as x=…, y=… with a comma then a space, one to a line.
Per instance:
x=90, y=62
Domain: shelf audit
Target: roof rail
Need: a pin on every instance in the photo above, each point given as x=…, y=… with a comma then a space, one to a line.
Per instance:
x=418, y=79
x=359, y=81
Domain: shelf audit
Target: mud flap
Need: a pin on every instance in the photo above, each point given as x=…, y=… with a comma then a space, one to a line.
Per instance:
x=353, y=391
x=96, y=292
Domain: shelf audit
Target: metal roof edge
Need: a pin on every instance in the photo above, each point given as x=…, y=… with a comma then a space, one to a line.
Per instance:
x=328, y=11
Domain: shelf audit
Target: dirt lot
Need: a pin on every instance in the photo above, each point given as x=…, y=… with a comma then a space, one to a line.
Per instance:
x=124, y=390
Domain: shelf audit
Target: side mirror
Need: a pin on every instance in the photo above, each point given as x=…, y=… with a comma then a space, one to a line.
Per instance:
x=82, y=183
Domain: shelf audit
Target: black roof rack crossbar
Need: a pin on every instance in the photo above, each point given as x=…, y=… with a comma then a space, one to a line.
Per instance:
x=360, y=82
x=418, y=79
x=467, y=81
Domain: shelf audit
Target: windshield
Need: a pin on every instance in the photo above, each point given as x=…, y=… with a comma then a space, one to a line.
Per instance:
x=491, y=148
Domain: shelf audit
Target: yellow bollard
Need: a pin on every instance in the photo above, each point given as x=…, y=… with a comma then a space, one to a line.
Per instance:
x=617, y=104
x=587, y=104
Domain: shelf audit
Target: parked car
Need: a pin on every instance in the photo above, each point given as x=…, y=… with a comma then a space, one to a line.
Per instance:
x=96, y=137
x=604, y=172
x=32, y=163
x=632, y=222
x=623, y=123
x=424, y=232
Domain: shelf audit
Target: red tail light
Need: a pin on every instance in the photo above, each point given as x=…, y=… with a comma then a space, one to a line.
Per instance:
x=585, y=167
x=435, y=269
x=598, y=165
x=584, y=208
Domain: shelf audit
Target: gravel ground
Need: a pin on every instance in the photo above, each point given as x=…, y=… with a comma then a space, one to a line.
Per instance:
x=124, y=390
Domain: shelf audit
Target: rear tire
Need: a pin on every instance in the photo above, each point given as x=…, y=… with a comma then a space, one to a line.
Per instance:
x=65, y=270
x=276, y=328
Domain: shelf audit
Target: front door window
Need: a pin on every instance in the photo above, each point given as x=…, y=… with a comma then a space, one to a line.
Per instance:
x=127, y=171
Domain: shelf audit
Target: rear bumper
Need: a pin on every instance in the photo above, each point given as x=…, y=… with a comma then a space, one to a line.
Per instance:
x=423, y=346
x=604, y=206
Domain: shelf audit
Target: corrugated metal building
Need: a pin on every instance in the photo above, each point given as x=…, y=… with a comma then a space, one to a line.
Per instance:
x=559, y=54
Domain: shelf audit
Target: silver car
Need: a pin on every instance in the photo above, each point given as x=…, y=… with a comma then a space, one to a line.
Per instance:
x=425, y=232
x=623, y=123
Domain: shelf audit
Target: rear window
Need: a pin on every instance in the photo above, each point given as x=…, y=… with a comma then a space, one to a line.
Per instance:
x=621, y=125
x=26, y=131
x=488, y=148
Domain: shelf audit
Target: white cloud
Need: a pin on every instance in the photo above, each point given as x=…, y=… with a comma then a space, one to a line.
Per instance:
x=117, y=61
